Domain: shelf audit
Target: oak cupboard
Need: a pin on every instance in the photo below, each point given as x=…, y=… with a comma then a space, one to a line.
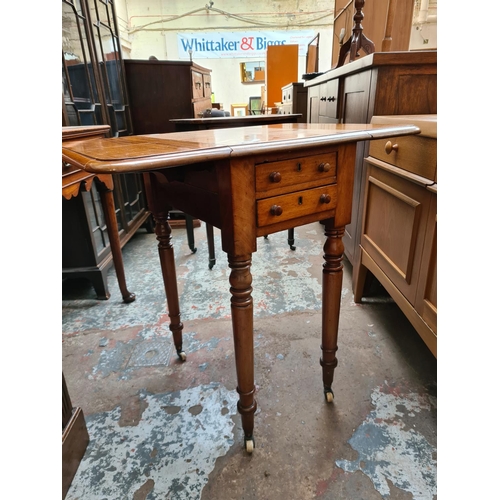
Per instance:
x=398, y=243
x=382, y=83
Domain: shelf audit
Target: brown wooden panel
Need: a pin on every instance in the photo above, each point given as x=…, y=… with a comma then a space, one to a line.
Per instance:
x=296, y=204
x=197, y=79
x=207, y=85
x=393, y=231
x=426, y=301
x=415, y=154
x=75, y=439
x=292, y=173
x=200, y=106
x=282, y=68
x=406, y=90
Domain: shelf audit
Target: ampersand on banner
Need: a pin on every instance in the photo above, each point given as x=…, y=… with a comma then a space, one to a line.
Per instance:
x=246, y=43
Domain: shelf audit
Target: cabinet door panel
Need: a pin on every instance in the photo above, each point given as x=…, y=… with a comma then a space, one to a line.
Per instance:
x=197, y=84
x=426, y=302
x=394, y=223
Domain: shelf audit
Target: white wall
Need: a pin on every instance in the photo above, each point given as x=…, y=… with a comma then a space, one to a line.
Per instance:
x=152, y=29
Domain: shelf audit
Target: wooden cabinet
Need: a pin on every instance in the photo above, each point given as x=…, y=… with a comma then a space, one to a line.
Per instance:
x=294, y=100
x=399, y=223
x=282, y=68
x=382, y=83
x=161, y=90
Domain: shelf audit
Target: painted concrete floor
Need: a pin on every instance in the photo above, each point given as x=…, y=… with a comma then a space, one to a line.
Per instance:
x=162, y=429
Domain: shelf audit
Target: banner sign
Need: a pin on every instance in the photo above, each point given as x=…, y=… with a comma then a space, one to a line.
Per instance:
x=239, y=44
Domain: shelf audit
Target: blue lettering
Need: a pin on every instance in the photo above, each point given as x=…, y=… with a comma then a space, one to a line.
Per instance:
x=187, y=44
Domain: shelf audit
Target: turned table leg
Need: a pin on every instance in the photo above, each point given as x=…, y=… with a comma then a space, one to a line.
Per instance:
x=166, y=251
x=240, y=280
x=332, y=291
x=108, y=206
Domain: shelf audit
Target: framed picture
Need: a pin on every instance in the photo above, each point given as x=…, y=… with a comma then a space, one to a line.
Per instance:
x=239, y=109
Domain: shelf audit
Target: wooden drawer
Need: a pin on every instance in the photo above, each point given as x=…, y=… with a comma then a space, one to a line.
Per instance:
x=197, y=79
x=207, y=85
x=282, y=177
x=200, y=106
x=414, y=154
x=290, y=206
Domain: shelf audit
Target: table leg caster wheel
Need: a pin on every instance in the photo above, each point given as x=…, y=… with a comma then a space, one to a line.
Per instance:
x=182, y=355
x=249, y=445
x=329, y=396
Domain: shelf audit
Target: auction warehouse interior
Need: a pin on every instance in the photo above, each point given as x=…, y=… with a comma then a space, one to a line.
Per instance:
x=249, y=249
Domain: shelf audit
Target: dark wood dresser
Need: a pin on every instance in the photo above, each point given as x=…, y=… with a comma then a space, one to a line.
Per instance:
x=161, y=90
x=382, y=83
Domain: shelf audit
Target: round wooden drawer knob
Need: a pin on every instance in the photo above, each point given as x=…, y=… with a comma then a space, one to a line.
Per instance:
x=276, y=210
x=324, y=167
x=390, y=147
x=325, y=198
x=275, y=177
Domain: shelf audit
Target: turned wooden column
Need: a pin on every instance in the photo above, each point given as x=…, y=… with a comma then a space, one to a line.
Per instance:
x=332, y=293
x=240, y=280
x=163, y=233
x=108, y=205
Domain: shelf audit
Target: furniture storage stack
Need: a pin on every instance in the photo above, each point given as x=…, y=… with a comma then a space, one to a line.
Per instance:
x=294, y=100
x=161, y=90
x=399, y=223
x=382, y=83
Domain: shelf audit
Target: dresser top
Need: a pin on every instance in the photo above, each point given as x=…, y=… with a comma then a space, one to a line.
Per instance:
x=426, y=123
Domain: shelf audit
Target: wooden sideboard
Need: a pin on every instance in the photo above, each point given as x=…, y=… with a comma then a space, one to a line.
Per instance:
x=161, y=90
x=382, y=83
x=398, y=243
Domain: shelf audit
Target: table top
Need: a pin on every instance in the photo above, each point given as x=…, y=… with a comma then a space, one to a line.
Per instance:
x=143, y=153
x=247, y=119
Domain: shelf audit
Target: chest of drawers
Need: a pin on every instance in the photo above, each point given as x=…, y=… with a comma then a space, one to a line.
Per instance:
x=398, y=243
x=294, y=100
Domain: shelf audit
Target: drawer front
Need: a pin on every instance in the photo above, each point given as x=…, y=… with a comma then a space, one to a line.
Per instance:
x=414, y=154
x=197, y=84
x=207, y=85
x=281, y=177
x=297, y=204
x=200, y=106
x=285, y=109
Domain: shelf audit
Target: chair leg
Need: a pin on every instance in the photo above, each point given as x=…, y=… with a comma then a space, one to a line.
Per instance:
x=190, y=232
x=211, y=246
x=291, y=239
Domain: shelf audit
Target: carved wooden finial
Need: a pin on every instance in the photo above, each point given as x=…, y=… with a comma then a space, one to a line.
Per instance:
x=358, y=40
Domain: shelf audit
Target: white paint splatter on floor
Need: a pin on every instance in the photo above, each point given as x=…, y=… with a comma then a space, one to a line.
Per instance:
x=173, y=447
x=391, y=450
